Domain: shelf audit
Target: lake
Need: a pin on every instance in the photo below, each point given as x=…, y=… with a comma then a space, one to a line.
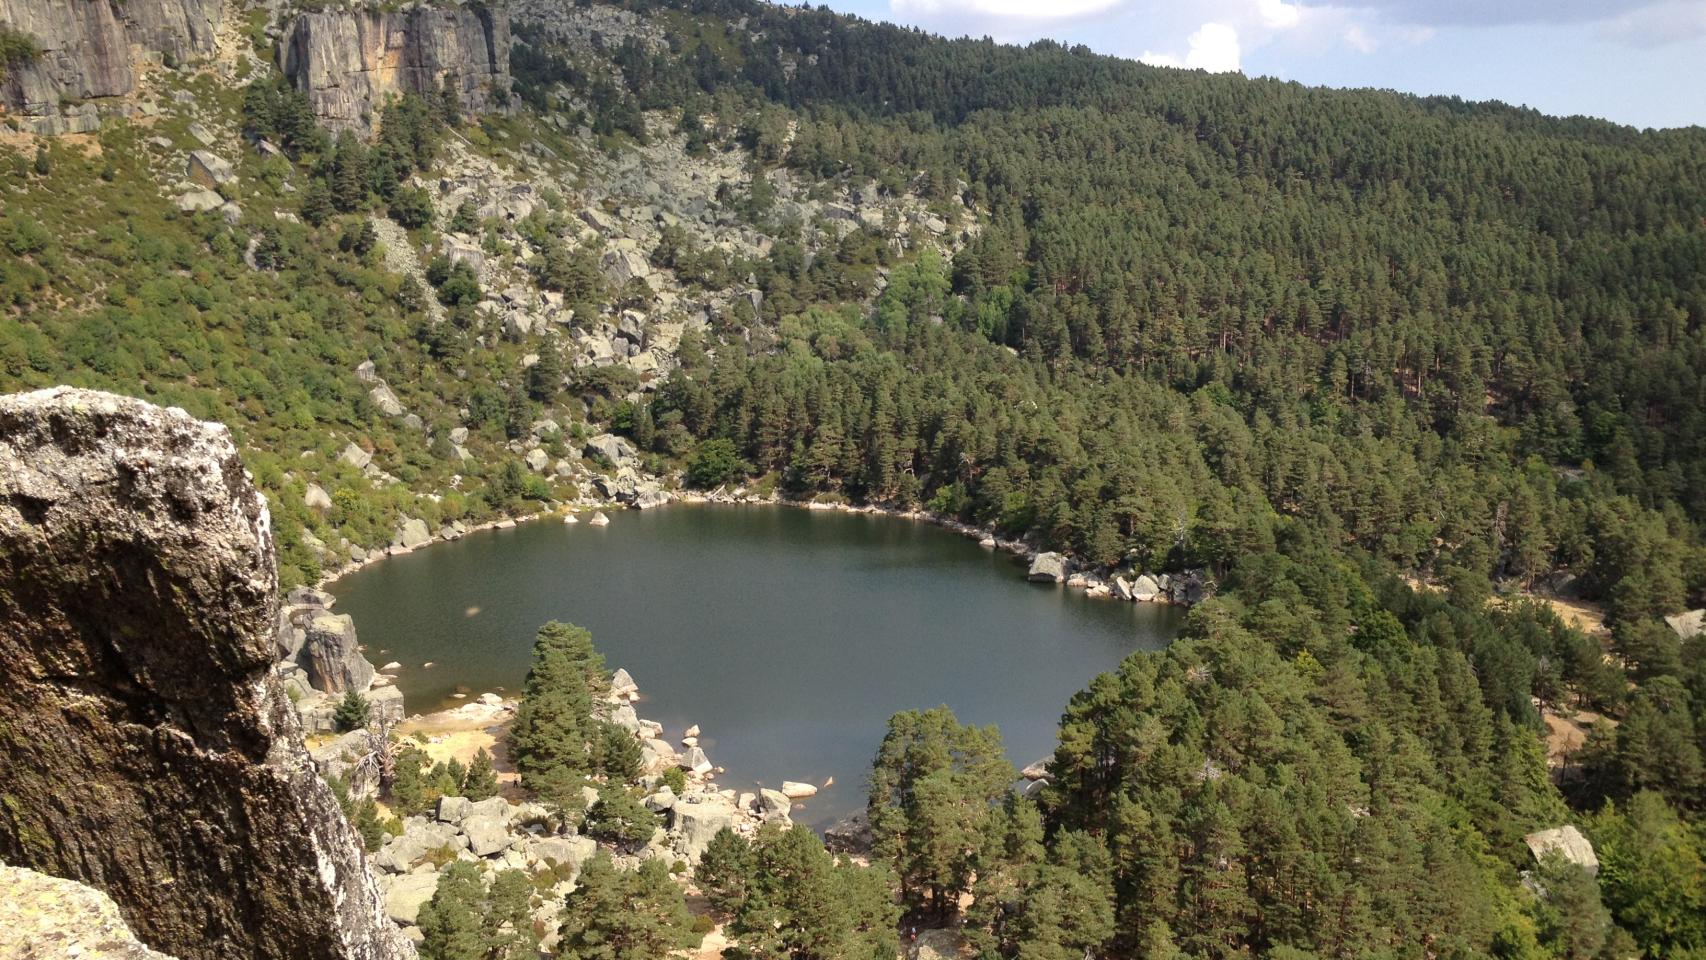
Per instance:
x=789, y=636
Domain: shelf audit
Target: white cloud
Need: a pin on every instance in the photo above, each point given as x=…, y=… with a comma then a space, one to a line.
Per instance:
x=1214, y=48
x=1004, y=9
x=1659, y=25
x=1279, y=15
x=1358, y=39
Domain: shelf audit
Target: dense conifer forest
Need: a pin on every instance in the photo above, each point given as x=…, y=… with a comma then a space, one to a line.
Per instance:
x=1394, y=369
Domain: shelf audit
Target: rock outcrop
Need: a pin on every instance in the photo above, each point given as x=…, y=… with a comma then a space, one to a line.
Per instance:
x=320, y=660
x=149, y=751
x=86, y=52
x=43, y=916
x=348, y=61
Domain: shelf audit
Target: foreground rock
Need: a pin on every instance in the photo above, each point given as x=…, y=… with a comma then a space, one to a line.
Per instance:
x=43, y=916
x=149, y=751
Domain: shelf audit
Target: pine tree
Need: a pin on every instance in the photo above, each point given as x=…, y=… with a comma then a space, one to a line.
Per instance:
x=618, y=817
x=352, y=712
x=316, y=202
x=348, y=174
x=932, y=786
x=481, y=781
x=638, y=914
x=550, y=739
x=545, y=377
x=467, y=920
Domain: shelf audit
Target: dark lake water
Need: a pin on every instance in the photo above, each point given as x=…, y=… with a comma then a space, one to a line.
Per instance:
x=789, y=636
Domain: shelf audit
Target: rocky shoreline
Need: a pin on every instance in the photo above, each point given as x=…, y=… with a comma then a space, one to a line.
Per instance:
x=497, y=833
x=1185, y=588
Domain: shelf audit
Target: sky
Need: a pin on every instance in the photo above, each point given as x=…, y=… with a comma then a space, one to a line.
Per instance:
x=1637, y=62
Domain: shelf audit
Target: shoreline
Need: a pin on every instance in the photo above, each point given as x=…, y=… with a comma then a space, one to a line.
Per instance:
x=1092, y=585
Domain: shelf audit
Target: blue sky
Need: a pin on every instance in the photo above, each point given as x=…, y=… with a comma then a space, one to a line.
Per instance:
x=1639, y=62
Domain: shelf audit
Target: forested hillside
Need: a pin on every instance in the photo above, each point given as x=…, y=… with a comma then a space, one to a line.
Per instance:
x=1389, y=367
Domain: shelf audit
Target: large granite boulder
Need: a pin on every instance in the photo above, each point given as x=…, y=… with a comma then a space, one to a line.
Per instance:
x=413, y=533
x=693, y=824
x=487, y=835
x=332, y=656
x=142, y=729
x=571, y=852
x=1049, y=568
x=405, y=895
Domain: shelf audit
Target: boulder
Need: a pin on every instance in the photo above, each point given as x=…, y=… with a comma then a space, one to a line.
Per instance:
x=1121, y=589
x=611, y=447
x=1688, y=625
x=661, y=800
x=200, y=201
x=622, y=685
x=937, y=944
x=385, y=401
x=695, y=761
x=413, y=533
x=795, y=790
x=622, y=265
x=657, y=755
x=1566, y=841
x=537, y=460
x=487, y=835
x=599, y=519
x=496, y=807
x=405, y=895
x=1049, y=568
x=624, y=716
x=355, y=456
x=651, y=496
x=316, y=498
x=453, y=809
x=400, y=854
x=774, y=804
x=694, y=824
x=332, y=657
x=572, y=852
x=1145, y=588
x=209, y=169
x=465, y=253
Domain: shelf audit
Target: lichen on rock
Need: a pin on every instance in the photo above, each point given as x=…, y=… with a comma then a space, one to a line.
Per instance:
x=150, y=752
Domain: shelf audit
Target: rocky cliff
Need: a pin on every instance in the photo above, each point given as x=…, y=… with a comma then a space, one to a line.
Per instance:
x=349, y=61
x=86, y=51
x=149, y=752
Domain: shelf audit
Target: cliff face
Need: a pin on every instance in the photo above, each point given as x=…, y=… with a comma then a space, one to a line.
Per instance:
x=149, y=752
x=86, y=47
x=348, y=62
